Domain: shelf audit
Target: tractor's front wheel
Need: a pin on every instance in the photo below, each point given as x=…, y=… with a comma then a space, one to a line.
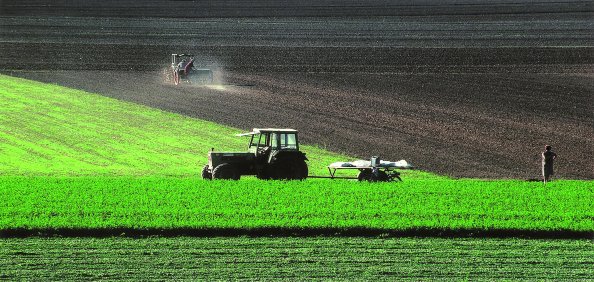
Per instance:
x=206, y=174
x=225, y=171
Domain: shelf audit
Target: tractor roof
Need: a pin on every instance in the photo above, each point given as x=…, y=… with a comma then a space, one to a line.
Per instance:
x=266, y=130
x=182, y=55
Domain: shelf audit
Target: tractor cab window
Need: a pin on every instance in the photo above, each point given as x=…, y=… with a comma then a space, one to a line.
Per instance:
x=287, y=141
x=274, y=140
x=258, y=141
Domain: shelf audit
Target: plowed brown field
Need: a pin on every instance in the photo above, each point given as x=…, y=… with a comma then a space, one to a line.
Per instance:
x=464, y=90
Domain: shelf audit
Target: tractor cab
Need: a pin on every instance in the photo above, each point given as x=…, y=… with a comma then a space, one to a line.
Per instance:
x=265, y=143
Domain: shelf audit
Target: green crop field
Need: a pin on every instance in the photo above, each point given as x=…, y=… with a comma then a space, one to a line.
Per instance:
x=181, y=203
x=325, y=258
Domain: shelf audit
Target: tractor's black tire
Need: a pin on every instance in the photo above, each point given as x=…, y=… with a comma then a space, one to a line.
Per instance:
x=289, y=169
x=303, y=170
x=263, y=175
x=206, y=174
x=225, y=171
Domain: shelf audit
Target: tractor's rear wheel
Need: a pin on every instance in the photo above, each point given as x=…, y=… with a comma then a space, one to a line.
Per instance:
x=263, y=175
x=206, y=174
x=225, y=171
x=290, y=170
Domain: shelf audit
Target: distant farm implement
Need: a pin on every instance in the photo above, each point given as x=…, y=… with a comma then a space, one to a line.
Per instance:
x=374, y=170
x=274, y=154
x=183, y=69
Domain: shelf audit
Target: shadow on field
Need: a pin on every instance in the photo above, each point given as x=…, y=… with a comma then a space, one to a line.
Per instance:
x=297, y=232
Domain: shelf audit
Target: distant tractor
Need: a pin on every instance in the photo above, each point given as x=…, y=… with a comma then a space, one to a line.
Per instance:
x=183, y=70
x=272, y=154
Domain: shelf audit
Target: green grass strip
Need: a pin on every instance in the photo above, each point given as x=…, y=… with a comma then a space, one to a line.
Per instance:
x=173, y=203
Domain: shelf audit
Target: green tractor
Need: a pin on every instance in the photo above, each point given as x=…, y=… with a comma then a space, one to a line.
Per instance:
x=272, y=154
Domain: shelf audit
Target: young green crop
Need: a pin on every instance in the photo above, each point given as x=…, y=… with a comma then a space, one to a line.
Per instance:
x=178, y=203
x=294, y=259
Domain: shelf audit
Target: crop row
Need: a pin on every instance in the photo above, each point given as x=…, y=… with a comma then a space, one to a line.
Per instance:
x=190, y=203
x=244, y=258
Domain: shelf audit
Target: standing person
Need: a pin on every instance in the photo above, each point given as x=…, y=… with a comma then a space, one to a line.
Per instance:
x=548, y=156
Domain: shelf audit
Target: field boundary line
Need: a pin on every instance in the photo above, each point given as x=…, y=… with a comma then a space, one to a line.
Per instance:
x=296, y=232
